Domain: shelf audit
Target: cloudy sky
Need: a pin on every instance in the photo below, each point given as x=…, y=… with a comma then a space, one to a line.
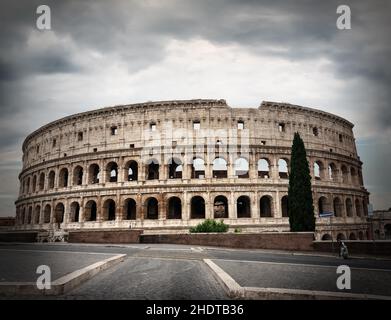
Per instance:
x=101, y=53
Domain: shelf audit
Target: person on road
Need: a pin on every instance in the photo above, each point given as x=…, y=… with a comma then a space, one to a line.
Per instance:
x=343, y=249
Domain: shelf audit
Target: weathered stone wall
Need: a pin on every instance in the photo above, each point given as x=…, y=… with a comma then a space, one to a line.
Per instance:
x=105, y=236
x=60, y=185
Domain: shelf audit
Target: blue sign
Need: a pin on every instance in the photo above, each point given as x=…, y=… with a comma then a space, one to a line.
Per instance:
x=326, y=214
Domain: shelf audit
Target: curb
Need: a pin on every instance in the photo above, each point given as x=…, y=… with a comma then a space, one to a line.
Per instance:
x=63, y=284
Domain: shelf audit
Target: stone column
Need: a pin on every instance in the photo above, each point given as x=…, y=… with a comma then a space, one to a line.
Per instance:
x=232, y=211
x=254, y=205
x=162, y=207
x=277, y=207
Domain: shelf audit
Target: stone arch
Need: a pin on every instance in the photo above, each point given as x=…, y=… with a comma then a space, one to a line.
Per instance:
x=59, y=213
x=175, y=168
x=47, y=212
x=174, y=208
x=37, y=214
x=75, y=212
x=352, y=236
x=284, y=207
x=358, y=206
x=151, y=208
x=152, y=169
x=326, y=236
x=353, y=176
x=345, y=174
x=52, y=176
x=198, y=168
x=349, y=207
x=197, y=207
x=130, y=209
x=78, y=176
x=333, y=172
x=219, y=168
x=318, y=170
x=341, y=236
x=283, y=171
x=41, y=181
x=266, y=206
x=323, y=205
x=361, y=235
x=63, y=178
x=112, y=172
x=90, y=211
x=93, y=173
x=263, y=168
x=241, y=167
x=220, y=207
x=131, y=171
x=243, y=207
x=109, y=210
x=338, y=207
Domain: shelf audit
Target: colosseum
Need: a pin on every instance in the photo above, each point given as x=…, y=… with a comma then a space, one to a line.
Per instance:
x=165, y=166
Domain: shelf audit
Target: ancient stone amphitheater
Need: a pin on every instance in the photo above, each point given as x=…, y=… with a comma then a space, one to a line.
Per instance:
x=166, y=166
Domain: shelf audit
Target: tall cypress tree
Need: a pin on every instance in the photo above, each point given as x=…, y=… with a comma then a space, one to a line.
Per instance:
x=300, y=203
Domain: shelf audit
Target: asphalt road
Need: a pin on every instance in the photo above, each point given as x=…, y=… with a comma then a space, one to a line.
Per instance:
x=178, y=271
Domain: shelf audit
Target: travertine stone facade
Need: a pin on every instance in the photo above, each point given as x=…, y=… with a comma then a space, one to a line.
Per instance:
x=165, y=166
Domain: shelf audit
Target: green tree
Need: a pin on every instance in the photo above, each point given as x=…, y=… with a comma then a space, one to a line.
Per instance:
x=300, y=203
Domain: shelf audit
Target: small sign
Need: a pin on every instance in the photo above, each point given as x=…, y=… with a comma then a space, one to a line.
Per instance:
x=326, y=214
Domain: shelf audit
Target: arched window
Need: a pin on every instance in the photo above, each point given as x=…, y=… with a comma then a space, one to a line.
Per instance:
x=130, y=209
x=75, y=212
x=174, y=208
x=241, y=168
x=326, y=237
x=265, y=207
x=345, y=174
x=47, y=213
x=59, y=213
x=90, y=211
x=219, y=168
x=37, y=214
x=109, y=210
x=283, y=169
x=318, y=170
x=198, y=168
x=333, y=173
x=358, y=207
x=340, y=236
x=197, y=208
x=63, y=178
x=220, y=207
x=152, y=208
x=338, y=208
x=243, y=207
x=112, y=172
x=131, y=171
x=263, y=169
x=41, y=181
x=51, y=179
x=77, y=176
x=284, y=206
x=175, y=168
x=323, y=205
x=352, y=236
x=152, y=169
x=93, y=174
x=353, y=176
x=361, y=235
x=349, y=207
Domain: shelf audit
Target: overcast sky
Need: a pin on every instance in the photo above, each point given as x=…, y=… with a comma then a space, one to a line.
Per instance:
x=102, y=53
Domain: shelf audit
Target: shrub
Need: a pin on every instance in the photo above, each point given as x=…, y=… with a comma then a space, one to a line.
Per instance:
x=210, y=225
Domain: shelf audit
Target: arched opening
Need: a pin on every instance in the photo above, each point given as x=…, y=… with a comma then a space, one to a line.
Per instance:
x=333, y=172
x=197, y=210
x=175, y=168
x=365, y=207
x=219, y=168
x=361, y=235
x=243, y=207
x=353, y=176
x=220, y=207
x=29, y=215
x=326, y=236
x=37, y=213
x=387, y=231
x=323, y=205
x=318, y=170
x=130, y=209
x=28, y=185
x=59, y=213
x=345, y=174
x=52, y=175
x=241, y=168
x=77, y=176
x=109, y=210
x=349, y=207
x=283, y=169
x=112, y=172
x=152, y=209
x=174, y=208
x=263, y=168
x=265, y=207
x=152, y=169
x=358, y=208
x=63, y=178
x=338, y=209
x=23, y=216
x=41, y=181
x=93, y=174
x=34, y=183
x=198, y=168
x=131, y=171
x=341, y=236
x=75, y=212
x=90, y=211
x=352, y=236
x=46, y=213
x=284, y=206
